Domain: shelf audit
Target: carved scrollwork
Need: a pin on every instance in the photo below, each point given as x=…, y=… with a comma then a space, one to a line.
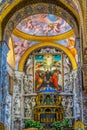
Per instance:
x=17, y=105
x=29, y=103
x=28, y=85
x=67, y=102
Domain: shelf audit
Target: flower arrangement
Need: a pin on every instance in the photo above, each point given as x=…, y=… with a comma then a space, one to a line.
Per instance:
x=60, y=125
x=33, y=124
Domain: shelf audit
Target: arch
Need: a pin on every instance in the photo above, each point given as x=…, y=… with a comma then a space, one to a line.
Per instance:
x=46, y=44
x=23, y=35
x=53, y=7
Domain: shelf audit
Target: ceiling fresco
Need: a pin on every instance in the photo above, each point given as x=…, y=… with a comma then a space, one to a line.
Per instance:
x=70, y=44
x=65, y=42
x=21, y=45
x=44, y=25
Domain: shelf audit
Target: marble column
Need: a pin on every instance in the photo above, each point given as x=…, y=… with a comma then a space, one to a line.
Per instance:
x=3, y=80
x=84, y=96
x=17, y=104
x=79, y=78
x=76, y=100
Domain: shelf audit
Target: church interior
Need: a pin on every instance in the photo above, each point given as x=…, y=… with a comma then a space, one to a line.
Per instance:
x=43, y=63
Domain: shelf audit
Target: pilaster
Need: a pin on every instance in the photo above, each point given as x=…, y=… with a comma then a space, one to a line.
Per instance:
x=79, y=79
x=4, y=94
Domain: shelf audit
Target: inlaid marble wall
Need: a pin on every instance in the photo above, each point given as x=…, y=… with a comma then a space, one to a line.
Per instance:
x=24, y=90
x=85, y=109
x=5, y=98
x=23, y=100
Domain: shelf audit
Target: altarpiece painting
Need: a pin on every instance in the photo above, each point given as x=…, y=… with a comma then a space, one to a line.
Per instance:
x=48, y=71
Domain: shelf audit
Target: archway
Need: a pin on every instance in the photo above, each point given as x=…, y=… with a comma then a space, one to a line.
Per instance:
x=35, y=8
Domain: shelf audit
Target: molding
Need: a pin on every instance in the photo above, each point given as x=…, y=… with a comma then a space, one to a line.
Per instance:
x=46, y=44
x=6, y=12
x=10, y=7
x=23, y=35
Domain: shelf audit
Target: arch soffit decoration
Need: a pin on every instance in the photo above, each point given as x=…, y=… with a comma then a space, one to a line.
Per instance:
x=56, y=8
x=46, y=44
x=72, y=3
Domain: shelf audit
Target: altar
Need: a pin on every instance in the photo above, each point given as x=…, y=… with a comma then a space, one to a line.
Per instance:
x=48, y=108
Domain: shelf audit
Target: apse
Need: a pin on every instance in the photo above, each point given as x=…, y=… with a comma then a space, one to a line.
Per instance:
x=43, y=65
x=45, y=58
